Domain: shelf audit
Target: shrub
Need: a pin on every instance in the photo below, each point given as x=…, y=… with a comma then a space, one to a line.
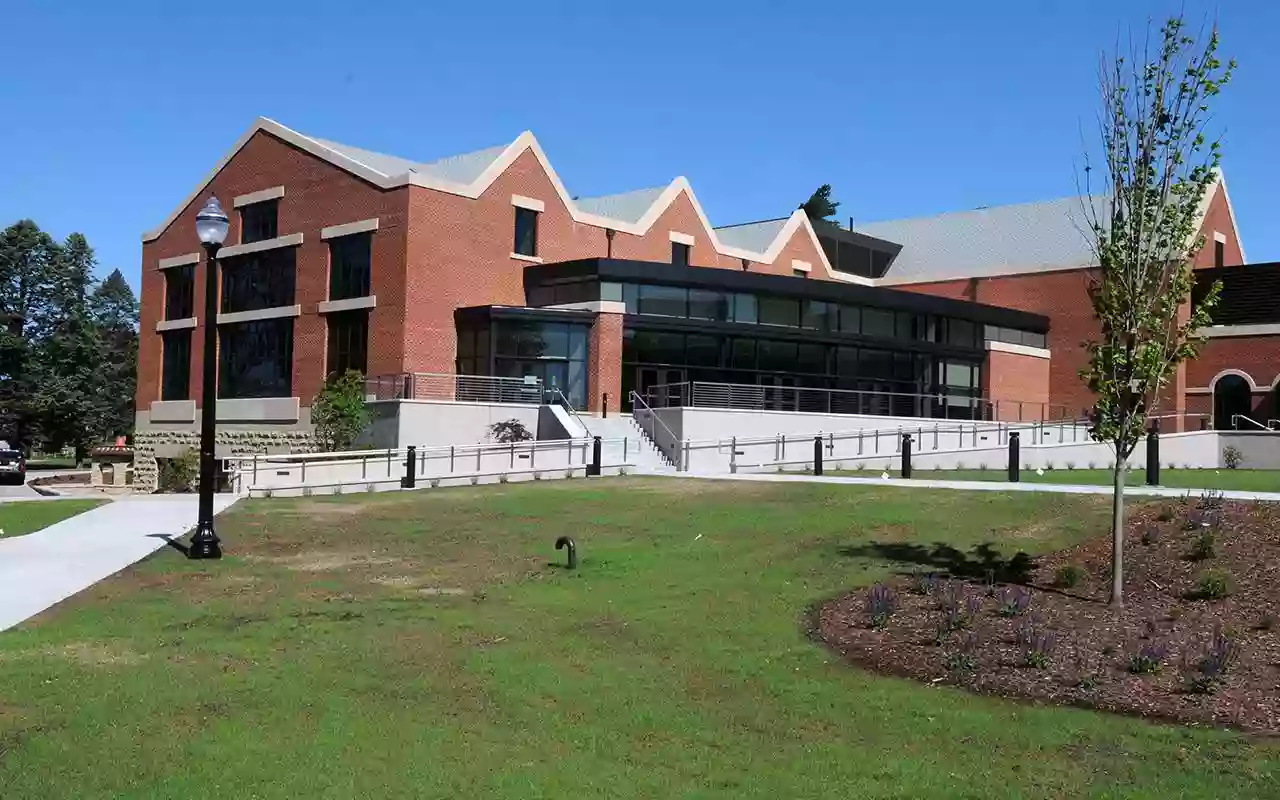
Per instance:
x=508, y=431
x=1204, y=547
x=1211, y=668
x=964, y=659
x=177, y=474
x=1026, y=631
x=1167, y=513
x=881, y=603
x=1039, y=650
x=1087, y=674
x=925, y=584
x=1149, y=659
x=1214, y=584
x=955, y=607
x=1071, y=465
x=1068, y=575
x=1150, y=535
x=339, y=411
x=1093, y=465
x=1232, y=457
x=1212, y=499
x=1014, y=601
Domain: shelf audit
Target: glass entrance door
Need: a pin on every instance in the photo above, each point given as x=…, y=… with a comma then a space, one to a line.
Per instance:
x=660, y=386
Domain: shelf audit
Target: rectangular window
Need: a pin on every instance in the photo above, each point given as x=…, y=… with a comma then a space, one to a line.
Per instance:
x=680, y=254
x=611, y=292
x=258, y=221
x=744, y=308
x=743, y=354
x=175, y=378
x=1034, y=339
x=850, y=319
x=961, y=333
x=526, y=232
x=778, y=356
x=258, y=280
x=256, y=359
x=631, y=298
x=816, y=315
x=704, y=304
x=665, y=301
x=876, y=322
x=179, y=292
x=350, y=261
x=348, y=342
x=811, y=358
x=1219, y=253
x=783, y=311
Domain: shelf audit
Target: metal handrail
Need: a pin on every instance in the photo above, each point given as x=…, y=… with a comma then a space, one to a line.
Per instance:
x=564, y=401
x=1273, y=424
x=638, y=401
x=1235, y=422
x=454, y=387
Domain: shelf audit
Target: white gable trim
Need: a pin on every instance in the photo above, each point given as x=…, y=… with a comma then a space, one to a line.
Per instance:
x=274, y=193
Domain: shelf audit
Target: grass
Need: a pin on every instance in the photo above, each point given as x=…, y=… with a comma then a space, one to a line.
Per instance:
x=423, y=645
x=29, y=516
x=51, y=462
x=1245, y=480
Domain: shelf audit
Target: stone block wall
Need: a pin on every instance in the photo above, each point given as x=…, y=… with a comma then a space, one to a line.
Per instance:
x=152, y=444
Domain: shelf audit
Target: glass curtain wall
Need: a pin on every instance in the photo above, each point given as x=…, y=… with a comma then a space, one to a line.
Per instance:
x=554, y=352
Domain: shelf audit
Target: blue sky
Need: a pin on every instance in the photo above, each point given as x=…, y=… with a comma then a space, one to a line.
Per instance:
x=114, y=111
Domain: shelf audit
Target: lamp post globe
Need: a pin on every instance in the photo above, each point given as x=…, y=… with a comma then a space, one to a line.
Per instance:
x=212, y=224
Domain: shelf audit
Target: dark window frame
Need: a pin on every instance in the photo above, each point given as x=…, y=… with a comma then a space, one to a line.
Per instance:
x=255, y=281
x=260, y=222
x=179, y=292
x=526, y=232
x=681, y=254
x=175, y=365
x=347, y=342
x=351, y=266
x=245, y=348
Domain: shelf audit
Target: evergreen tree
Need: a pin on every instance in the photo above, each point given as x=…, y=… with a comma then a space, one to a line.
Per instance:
x=26, y=253
x=820, y=207
x=114, y=311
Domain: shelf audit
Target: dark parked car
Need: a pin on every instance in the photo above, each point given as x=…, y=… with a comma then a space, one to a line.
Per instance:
x=13, y=467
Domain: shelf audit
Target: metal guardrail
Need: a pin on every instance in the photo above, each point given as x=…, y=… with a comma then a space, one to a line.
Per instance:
x=460, y=388
x=573, y=412
x=1235, y=422
x=939, y=405
x=641, y=412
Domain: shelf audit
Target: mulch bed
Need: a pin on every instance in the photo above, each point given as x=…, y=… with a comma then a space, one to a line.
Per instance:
x=1089, y=662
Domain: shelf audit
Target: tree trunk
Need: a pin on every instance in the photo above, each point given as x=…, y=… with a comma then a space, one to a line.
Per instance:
x=1117, y=536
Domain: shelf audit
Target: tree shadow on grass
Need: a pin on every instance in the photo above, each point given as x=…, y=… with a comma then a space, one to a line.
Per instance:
x=984, y=561
x=171, y=541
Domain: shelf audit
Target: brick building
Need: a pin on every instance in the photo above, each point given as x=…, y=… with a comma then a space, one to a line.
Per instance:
x=484, y=264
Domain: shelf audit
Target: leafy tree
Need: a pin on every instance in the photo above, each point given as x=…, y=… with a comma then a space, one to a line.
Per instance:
x=339, y=411
x=1159, y=168
x=508, y=431
x=114, y=311
x=820, y=207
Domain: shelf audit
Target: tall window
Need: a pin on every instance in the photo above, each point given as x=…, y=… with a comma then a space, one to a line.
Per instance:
x=256, y=359
x=179, y=288
x=349, y=262
x=175, y=376
x=680, y=254
x=348, y=342
x=258, y=280
x=258, y=221
x=526, y=232
x=1219, y=253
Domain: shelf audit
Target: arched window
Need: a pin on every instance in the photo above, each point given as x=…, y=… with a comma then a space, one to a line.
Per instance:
x=1232, y=395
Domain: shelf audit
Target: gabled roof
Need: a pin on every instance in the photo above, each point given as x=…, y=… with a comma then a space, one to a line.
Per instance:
x=751, y=235
x=470, y=174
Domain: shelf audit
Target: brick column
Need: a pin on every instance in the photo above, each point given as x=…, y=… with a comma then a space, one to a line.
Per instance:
x=604, y=362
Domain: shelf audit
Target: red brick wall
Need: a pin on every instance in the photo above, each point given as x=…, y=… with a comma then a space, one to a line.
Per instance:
x=317, y=195
x=604, y=365
x=1218, y=218
x=1017, y=385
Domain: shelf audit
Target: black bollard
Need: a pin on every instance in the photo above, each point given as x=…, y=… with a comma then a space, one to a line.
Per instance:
x=1153, y=453
x=817, y=455
x=906, y=455
x=1014, y=457
x=594, y=467
x=410, y=479
x=565, y=542
x=604, y=406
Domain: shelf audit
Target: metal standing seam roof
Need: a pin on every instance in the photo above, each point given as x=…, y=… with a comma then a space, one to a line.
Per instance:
x=753, y=236
x=463, y=168
x=625, y=207
x=1028, y=237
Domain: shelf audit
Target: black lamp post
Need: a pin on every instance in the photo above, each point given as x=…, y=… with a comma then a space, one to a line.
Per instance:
x=211, y=226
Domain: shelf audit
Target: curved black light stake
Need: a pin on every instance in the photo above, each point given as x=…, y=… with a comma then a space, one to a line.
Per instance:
x=565, y=542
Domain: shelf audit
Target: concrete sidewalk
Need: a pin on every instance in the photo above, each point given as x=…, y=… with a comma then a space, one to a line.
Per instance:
x=43, y=568
x=981, y=486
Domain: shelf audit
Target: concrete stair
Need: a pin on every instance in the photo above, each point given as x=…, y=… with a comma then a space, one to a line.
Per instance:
x=638, y=450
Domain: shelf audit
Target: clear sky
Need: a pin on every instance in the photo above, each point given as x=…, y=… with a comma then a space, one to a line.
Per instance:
x=113, y=112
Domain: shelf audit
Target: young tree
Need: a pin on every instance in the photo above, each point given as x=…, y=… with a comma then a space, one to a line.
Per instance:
x=339, y=411
x=1159, y=168
x=820, y=207
x=114, y=311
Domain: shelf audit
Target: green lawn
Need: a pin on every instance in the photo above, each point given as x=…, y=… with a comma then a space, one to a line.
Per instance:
x=32, y=515
x=424, y=645
x=1245, y=480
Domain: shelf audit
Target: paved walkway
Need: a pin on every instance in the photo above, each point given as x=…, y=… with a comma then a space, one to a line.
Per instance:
x=46, y=567
x=982, y=486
